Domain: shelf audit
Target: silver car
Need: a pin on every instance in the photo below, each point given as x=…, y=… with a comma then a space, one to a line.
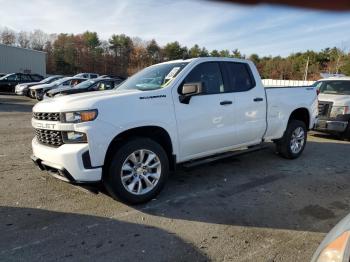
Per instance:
x=335, y=247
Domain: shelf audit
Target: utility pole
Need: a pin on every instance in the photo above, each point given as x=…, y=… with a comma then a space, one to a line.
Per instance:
x=306, y=69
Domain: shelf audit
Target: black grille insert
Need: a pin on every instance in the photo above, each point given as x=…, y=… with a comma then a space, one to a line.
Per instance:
x=49, y=137
x=46, y=116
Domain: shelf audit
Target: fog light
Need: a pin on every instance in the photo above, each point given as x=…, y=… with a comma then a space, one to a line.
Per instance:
x=74, y=137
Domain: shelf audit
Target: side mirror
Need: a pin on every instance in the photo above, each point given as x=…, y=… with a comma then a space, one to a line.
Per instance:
x=188, y=90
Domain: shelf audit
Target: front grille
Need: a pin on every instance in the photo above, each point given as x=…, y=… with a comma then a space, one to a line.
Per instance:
x=47, y=116
x=49, y=137
x=324, y=108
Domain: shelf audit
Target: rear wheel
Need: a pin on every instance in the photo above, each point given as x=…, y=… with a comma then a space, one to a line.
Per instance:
x=137, y=172
x=293, y=142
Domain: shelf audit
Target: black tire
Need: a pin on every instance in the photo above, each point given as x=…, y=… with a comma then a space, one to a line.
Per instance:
x=112, y=179
x=283, y=145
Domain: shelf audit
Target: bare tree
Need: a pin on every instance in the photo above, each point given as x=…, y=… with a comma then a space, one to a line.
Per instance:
x=38, y=39
x=23, y=39
x=8, y=36
x=341, y=55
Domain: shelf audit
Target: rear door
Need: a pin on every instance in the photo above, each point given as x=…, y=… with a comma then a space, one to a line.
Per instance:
x=249, y=103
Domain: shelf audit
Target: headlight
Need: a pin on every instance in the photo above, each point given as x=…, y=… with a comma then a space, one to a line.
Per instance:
x=339, y=110
x=337, y=250
x=74, y=137
x=20, y=87
x=79, y=116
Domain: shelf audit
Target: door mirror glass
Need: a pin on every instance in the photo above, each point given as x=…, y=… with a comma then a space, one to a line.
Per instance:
x=188, y=90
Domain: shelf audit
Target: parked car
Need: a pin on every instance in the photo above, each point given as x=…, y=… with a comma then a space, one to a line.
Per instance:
x=38, y=91
x=335, y=247
x=36, y=77
x=112, y=76
x=23, y=89
x=9, y=81
x=97, y=84
x=334, y=106
x=167, y=114
x=87, y=75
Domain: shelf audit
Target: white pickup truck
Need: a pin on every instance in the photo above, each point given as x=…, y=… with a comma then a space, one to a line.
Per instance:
x=170, y=113
x=334, y=106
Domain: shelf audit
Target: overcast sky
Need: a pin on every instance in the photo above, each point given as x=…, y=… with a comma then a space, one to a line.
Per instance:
x=265, y=30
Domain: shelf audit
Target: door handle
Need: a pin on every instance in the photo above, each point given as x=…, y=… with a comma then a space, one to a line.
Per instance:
x=258, y=99
x=223, y=103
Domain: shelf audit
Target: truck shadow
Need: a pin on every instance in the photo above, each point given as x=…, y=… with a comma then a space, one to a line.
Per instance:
x=327, y=136
x=263, y=190
x=15, y=104
x=40, y=235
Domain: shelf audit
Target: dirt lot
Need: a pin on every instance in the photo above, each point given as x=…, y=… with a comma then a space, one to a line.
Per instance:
x=256, y=207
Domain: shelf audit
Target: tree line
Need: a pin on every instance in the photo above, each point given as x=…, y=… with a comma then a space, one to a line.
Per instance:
x=124, y=55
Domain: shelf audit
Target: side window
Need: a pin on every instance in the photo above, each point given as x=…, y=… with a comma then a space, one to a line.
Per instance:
x=25, y=78
x=93, y=76
x=93, y=87
x=36, y=78
x=105, y=85
x=102, y=86
x=209, y=75
x=108, y=85
x=239, y=77
x=12, y=77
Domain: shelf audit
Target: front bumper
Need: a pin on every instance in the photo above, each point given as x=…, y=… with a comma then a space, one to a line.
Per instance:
x=21, y=91
x=331, y=125
x=66, y=162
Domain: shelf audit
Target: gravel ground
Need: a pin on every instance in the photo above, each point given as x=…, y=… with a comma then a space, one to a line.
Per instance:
x=255, y=207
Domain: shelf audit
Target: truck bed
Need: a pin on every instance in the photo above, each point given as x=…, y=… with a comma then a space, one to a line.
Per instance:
x=281, y=102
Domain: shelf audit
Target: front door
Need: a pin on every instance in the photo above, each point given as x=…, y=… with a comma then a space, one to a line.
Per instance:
x=205, y=124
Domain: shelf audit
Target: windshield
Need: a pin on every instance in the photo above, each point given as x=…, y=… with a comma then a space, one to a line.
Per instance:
x=48, y=80
x=60, y=81
x=85, y=84
x=336, y=87
x=1, y=78
x=153, y=77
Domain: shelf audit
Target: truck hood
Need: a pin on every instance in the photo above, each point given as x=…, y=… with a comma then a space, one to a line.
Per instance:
x=82, y=101
x=338, y=100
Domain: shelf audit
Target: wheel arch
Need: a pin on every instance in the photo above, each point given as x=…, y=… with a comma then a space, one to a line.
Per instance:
x=301, y=114
x=156, y=133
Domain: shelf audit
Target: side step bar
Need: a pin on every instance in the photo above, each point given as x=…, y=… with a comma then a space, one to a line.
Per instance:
x=237, y=152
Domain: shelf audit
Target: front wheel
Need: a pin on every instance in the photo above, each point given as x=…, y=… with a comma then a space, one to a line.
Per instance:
x=293, y=142
x=137, y=172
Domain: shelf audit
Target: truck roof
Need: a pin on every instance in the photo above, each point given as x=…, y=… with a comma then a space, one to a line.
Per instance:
x=344, y=78
x=207, y=59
